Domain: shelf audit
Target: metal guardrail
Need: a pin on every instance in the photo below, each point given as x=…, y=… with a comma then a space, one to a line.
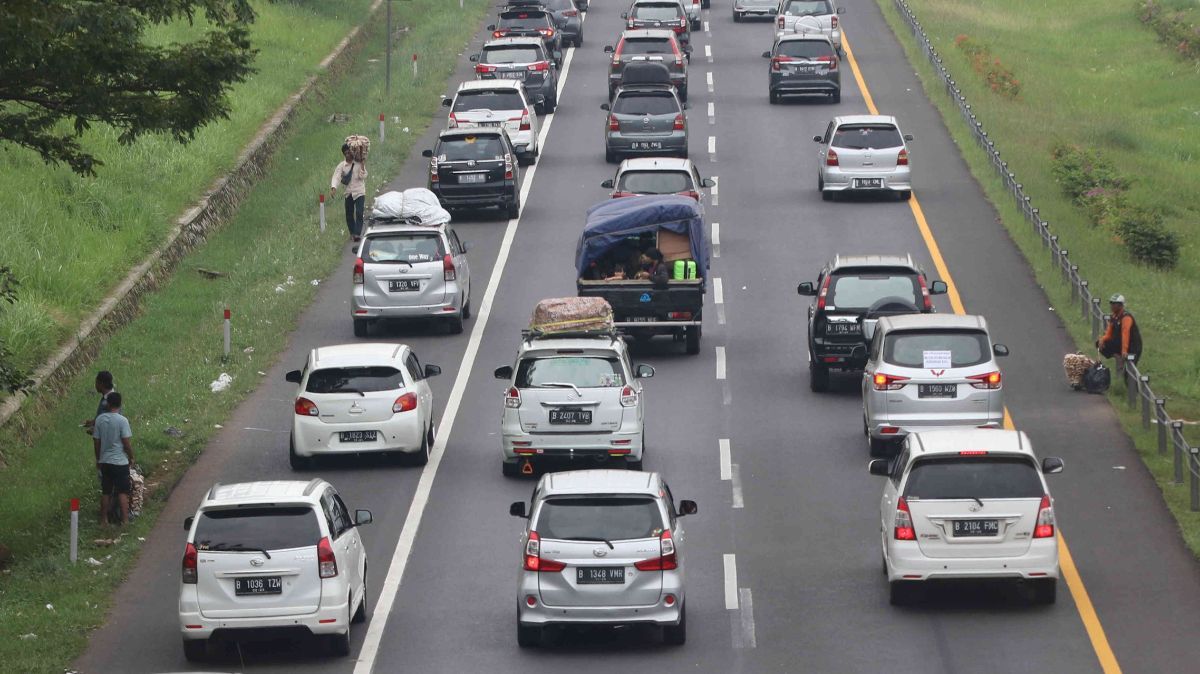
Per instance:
x=1137, y=385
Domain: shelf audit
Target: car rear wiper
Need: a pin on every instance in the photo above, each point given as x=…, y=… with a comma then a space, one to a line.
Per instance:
x=563, y=384
x=349, y=390
x=238, y=547
x=592, y=539
x=964, y=498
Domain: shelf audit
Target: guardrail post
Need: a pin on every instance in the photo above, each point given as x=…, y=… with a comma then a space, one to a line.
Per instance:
x=1193, y=456
x=1071, y=276
x=1131, y=382
x=1064, y=265
x=1160, y=414
x=1176, y=432
x=1145, y=386
x=1083, y=305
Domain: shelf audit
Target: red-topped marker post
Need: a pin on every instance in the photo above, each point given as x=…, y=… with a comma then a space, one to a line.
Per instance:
x=74, y=530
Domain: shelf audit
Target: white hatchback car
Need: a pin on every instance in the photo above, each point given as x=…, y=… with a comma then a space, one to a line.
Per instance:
x=356, y=398
x=270, y=558
x=968, y=504
x=483, y=103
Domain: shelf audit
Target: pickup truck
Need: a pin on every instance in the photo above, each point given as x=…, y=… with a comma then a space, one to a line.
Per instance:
x=643, y=308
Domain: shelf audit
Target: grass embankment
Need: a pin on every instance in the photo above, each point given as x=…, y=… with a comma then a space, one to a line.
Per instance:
x=165, y=359
x=1141, y=113
x=70, y=240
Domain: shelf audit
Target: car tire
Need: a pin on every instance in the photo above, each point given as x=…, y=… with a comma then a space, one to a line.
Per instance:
x=818, y=378
x=610, y=156
x=362, y=327
x=549, y=106
x=902, y=593
x=879, y=448
x=296, y=461
x=693, y=340
x=360, y=615
x=835, y=97
x=514, y=207
x=737, y=18
x=676, y=635
x=696, y=24
x=455, y=325
x=905, y=195
x=1045, y=591
x=510, y=468
x=339, y=644
x=195, y=650
x=466, y=310
x=528, y=636
x=421, y=457
x=773, y=98
x=631, y=464
x=826, y=195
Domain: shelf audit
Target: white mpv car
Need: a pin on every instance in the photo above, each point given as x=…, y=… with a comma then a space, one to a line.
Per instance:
x=357, y=398
x=503, y=103
x=269, y=559
x=968, y=504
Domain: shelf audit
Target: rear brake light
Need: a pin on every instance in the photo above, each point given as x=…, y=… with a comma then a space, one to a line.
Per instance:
x=925, y=294
x=831, y=159
x=829, y=60
x=405, y=403
x=484, y=68
x=499, y=33
x=306, y=408
x=571, y=12
x=666, y=559
x=902, y=158
x=678, y=122
x=452, y=122
x=679, y=315
x=903, y=530
x=546, y=32
x=433, y=170
x=525, y=123
x=629, y=397
x=888, y=382
x=448, y=272
x=781, y=23
x=357, y=277
x=533, y=557
x=973, y=452
x=508, y=167
x=189, y=564
x=613, y=125
x=691, y=193
x=990, y=380
x=821, y=295
x=326, y=561
x=778, y=60
x=1045, y=519
x=512, y=398
x=833, y=21
x=539, y=66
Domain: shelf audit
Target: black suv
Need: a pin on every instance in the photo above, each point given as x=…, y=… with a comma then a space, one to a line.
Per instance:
x=530, y=22
x=854, y=290
x=475, y=168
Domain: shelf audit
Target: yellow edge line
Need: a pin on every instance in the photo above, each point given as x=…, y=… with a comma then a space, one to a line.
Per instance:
x=1083, y=602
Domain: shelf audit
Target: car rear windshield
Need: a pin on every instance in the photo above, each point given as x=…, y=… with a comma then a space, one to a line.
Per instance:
x=635, y=46
x=514, y=54
x=401, y=248
x=859, y=292
x=355, y=379
x=867, y=136
x=266, y=528
x=805, y=49
x=645, y=103
x=662, y=12
x=973, y=477
x=807, y=8
x=579, y=371
x=479, y=148
x=488, y=99
x=609, y=519
x=524, y=20
x=655, y=182
x=908, y=348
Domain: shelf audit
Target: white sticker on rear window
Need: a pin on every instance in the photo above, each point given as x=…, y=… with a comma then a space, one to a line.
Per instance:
x=935, y=360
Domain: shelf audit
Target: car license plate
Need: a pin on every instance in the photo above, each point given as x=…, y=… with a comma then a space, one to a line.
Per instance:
x=805, y=70
x=488, y=123
x=641, y=319
x=512, y=75
x=466, y=178
x=868, y=183
x=404, y=285
x=357, y=436
x=600, y=575
x=842, y=329
x=570, y=416
x=259, y=585
x=966, y=528
x=937, y=390
x=647, y=145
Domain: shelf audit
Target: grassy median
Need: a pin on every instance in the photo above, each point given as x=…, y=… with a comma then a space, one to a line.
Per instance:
x=165, y=360
x=1142, y=113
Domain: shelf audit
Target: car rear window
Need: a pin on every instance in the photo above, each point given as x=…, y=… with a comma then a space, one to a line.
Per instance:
x=861, y=291
x=579, y=371
x=610, y=519
x=657, y=12
x=645, y=103
x=805, y=49
x=524, y=20
x=401, y=248
x=907, y=348
x=488, y=99
x=655, y=182
x=973, y=477
x=268, y=528
x=366, y=379
x=462, y=148
x=807, y=8
x=867, y=136
x=515, y=54
x=646, y=45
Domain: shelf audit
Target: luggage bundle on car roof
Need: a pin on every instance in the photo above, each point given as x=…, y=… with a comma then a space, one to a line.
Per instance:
x=414, y=206
x=574, y=315
x=645, y=73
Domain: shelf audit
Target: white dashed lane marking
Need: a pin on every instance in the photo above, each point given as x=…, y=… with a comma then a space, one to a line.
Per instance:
x=720, y=362
x=726, y=457
x=731, y=587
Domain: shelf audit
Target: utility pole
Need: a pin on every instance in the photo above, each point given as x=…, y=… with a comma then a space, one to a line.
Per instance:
x=387, y=87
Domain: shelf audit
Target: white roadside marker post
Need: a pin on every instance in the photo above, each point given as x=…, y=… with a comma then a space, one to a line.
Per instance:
x=321, y=199
x=414, y=61
x=74, y=530
x=226, y=357
x=381, y=132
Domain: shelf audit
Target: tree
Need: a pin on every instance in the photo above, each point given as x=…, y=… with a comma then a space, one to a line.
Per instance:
x=67, y=64
x=12, y=378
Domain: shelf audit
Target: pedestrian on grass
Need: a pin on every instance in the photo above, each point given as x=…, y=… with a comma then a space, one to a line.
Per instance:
x=104, y=386
x=113, y=441
x=352, y=174
x=1122, y=338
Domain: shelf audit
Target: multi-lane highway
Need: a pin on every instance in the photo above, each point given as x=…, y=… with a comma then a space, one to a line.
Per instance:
x=784, y=560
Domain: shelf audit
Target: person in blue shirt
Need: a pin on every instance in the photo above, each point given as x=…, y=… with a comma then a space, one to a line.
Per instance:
x=113, y=442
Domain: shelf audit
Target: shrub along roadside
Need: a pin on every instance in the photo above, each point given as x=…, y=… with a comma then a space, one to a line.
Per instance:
x=166, y=358
x=1176, y=25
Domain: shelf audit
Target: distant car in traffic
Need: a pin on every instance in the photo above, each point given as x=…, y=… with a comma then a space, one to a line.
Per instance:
x=282, y=558
x=645, y=120
x=490, y=103
x=475, y=168
x=566, y=14
x=968, y=505
x=659, y=175
x=602, y=547
x=523, y=59
x=803, y=64
x=863, y=154
x=660, y=14
x=756, y=9
x=530, y=22
x=649, y=46
x=810, y=16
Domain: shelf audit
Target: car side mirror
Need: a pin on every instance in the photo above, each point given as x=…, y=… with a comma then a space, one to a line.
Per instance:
x=643, y=372
x=807, y=289
x=505, y=372
x=608, y=49
x=517, y=509
x=908, y=136
x=432, y=370
x=1000, y=350
x=294, y=376
x=426, y=153
x=766, y=55
x=841, y=10
x=362, y=517
x=684, y=106
x=868, y=330
x=187, y=523
x=687, y=49
x=938, y=288
x=687, y=507
x=465, y=245
x=492, y=27
x=707, y=182
x=607, y=184
x=816, y=139
x=446, y=102
x=1052, y=465
x=473, y=58
x=624, y=15
x=879, y=467
x=605, y=106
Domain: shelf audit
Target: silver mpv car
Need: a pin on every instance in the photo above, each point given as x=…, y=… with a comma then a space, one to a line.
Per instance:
x=930, y=371
x=601, y=547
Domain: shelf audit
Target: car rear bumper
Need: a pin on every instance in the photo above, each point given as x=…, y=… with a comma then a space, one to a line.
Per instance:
x=362, y=308
x=402, y=433
x=624, y=144
x=193, y=625
x=813, y=85
x=904, y=428
x=658, y=613
x=838, y=180
x=905, y=561
x=625, y=444
x=500, y=194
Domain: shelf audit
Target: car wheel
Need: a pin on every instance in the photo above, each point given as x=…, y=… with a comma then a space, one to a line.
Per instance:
x=610, y=156
x=514, y=207
x=905, y=195
x=737, y=18
x=466, y=312
x=195, y=650
x=510, y=468
x=693, y=340
x=339, y=644
x=362, y=327
x=879, y=448
x=455, y=324
x=818, y=378
x=579, y=41
x=631, y=464
x=422, y=456
x=835, y=97
x=696, y=24
x=528, y=636
x=295, y=460
x=1045, y=591
x=773, y=98
x=683, y=93
x=676, y=635
x=901, y=593
x=549, y=105
x=360, y=616
x=826, y=195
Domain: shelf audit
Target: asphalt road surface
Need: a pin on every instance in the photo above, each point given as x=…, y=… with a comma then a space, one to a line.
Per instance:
x=784, y=560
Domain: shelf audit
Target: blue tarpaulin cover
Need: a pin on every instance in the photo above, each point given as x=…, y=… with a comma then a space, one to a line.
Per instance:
x=611, y=222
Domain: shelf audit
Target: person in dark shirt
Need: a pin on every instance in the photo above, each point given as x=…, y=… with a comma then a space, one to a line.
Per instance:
x=104, y=386
x=653, y=268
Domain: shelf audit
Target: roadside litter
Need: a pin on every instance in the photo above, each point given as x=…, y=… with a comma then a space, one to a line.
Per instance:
x=221, y=384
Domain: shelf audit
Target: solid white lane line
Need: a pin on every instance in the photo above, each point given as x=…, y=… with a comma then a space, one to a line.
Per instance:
x=416, y=510
x=720, y=362
x=735, y=480
x=712, y=144
x=747, y=601
x=731, y=587
x=718, y=290
x=708, y=52
x=709, y=80
x=723, y=448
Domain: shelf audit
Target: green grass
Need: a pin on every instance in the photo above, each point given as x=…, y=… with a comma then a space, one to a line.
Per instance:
x=1073, y=92
x=165, y=359
x=70, y=239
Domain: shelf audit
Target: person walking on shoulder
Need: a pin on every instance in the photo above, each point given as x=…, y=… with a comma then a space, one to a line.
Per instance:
x=352, y=174
x=113, y=442
x=1122, y=338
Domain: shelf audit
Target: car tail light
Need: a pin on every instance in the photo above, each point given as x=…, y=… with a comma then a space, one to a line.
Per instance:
x=512, y=398
x=973, y=452
x=533, y=556
x=539, y=66
x=306, y=408
x=484, y=68
x=990, y=380
x=629, y=397
x=829, y=60
x=525, y=123
x=679, y=315
x=780, y=23
x=666, y=559
x=189, y=564
x=571, y=12
x=775, y=62
x=681, y=27
x=903, y=530
x=833, y=21
x=618, y=195
x=546, y=32
x=678, y=122
x=677, y=52
x=508, y=167
x=326, y=562
x=831, y=158
x=405, y=403
x=1045, y=519
x=925, y=294
x=357, y=277
x=433, y=170
x=499, y=32
x=612, y=123
x=888, y=382
x=452, y=122
x=690, y=193
x=902, y=158
x=448, y=272
x=823, y=294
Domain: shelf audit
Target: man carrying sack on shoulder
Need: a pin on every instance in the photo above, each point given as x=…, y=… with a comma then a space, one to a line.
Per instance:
x=351, y=173
x=1122, y=338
